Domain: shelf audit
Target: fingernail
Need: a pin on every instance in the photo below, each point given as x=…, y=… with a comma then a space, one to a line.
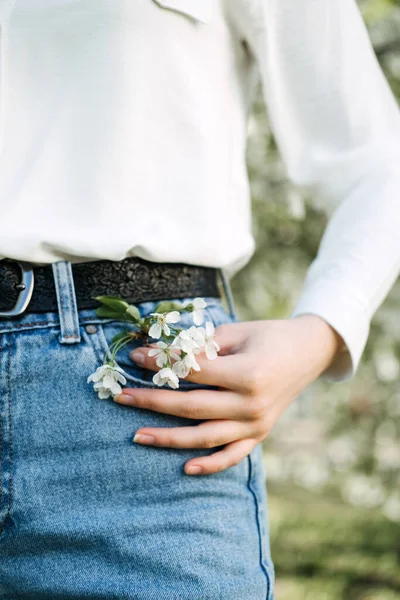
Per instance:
x=142, y=438
x=195, y=470
x=137, y=357
x=124, y=398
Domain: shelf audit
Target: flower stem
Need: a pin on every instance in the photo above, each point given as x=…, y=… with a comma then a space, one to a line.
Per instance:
x=114, y=348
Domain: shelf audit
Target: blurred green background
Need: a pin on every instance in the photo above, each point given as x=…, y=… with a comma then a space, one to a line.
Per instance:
x=332, y=461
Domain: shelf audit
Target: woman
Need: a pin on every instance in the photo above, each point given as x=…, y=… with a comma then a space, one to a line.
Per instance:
x=123, y=133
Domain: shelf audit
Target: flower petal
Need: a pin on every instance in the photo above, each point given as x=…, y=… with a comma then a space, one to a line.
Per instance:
x=174, y=355
x=181, y=369
x=211, y=351
x=161, y=359
x=210, y=329
x=158, y=379
x=98, y=374
x=154, y=352
x=172, y=317
x=119, y=377
x=199, y=303
x=198, y=317
x=155, y=330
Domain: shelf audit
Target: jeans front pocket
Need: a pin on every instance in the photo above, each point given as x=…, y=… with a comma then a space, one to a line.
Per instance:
x=137, y=376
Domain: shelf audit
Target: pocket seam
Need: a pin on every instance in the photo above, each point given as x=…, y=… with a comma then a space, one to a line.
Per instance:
x=264, y=563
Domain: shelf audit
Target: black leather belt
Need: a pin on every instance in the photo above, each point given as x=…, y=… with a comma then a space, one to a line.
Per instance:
x=25, y=287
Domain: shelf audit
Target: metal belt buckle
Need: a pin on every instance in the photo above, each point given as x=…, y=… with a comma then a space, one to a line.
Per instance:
x=25, y=288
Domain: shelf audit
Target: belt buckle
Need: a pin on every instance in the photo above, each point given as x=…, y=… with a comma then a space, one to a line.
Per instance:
x=25, y=288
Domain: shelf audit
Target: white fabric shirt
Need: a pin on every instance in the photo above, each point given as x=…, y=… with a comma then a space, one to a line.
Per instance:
x=123, y=132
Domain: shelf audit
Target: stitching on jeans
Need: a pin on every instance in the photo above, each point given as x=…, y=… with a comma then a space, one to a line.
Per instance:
x=34, y=324
x=10, y=485
x=89, y=340
x=256, y=502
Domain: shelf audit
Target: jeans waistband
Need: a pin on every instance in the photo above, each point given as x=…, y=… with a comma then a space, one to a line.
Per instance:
x=68, y=317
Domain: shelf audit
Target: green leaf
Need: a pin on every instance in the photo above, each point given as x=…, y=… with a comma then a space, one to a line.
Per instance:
x=133, y=312
x=108, y=313
x=165, y=307
x=113, y=302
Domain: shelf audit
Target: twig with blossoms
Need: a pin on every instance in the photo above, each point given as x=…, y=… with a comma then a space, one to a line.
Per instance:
x=175, y=350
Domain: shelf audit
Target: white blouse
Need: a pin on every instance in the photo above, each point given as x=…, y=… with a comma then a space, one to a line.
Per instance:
x=123, y=132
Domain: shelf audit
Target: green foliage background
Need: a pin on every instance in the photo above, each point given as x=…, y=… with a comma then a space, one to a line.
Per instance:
x=337, y=448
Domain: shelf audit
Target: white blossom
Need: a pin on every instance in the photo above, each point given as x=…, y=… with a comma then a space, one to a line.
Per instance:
x=106, y=381
x=190, y=340
x=164, y=353
x=210, y=345
x=162, y=322
x=199, y=305
x=166, y=376
x=183, y=367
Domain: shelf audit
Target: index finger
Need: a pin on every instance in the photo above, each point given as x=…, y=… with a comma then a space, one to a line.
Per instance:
x=225, y=371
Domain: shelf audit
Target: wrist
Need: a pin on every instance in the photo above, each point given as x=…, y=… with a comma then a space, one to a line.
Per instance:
x=328, y=342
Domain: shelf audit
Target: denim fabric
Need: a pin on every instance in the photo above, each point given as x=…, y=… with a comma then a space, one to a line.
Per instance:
x=85, y=512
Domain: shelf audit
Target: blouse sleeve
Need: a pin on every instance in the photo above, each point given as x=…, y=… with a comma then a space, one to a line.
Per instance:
x=337, y=126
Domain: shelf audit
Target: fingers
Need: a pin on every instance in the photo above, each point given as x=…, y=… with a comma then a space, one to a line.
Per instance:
x=229, y=456
x=141, y=357
x=205, y=435
x=230, y=337
x=196, y=404
x=225, y=371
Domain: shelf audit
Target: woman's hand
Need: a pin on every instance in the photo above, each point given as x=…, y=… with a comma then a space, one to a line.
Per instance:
x=262, y=367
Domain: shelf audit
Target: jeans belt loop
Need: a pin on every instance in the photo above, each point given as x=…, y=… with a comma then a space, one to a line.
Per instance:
x=66, y=300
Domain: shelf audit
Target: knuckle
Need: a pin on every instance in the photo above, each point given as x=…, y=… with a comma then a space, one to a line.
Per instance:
x=222, y=329
x=210, y=442
x=149, y=402
x=260, y=430
x=255, y=408
x=254, y=379
x=168, y=441
x=267, y=428
x=190, y=410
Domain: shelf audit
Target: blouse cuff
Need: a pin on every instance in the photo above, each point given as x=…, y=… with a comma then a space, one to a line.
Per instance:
x=333, y=301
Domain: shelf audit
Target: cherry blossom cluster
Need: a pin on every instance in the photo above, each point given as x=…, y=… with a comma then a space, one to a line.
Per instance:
x=175, y=352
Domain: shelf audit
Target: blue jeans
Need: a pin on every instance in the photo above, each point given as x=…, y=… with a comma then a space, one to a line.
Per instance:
x=85, y=512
